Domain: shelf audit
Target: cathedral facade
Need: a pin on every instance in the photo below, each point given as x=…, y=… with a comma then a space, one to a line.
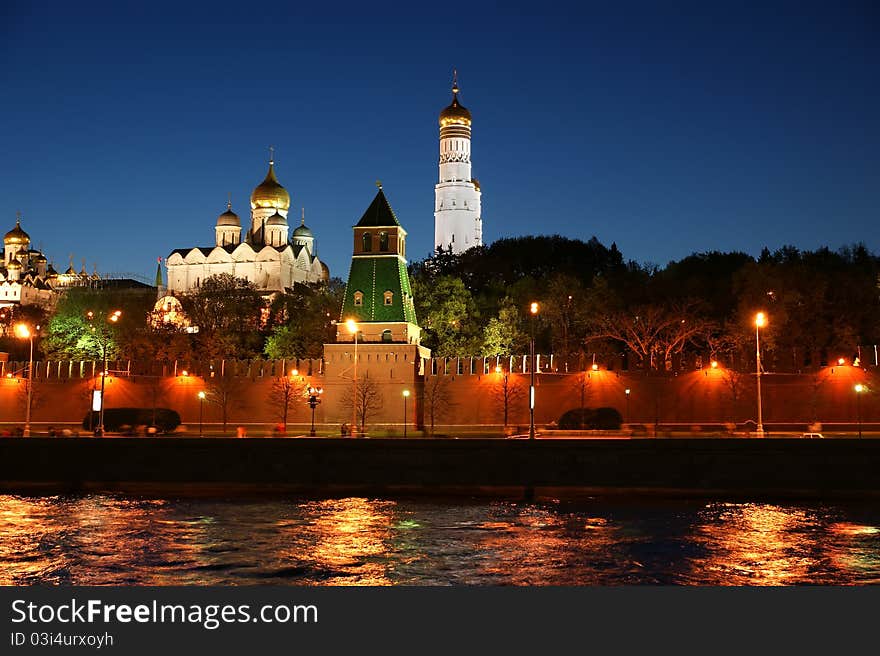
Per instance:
x=458, y=223
x=267, y=254
x=27, y=277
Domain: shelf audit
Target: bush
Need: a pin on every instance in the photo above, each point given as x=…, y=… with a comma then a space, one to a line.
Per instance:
x=591, y=419
x=119, y=419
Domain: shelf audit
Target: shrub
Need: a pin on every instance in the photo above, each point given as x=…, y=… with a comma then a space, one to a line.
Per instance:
x=591, y=419
x=118, y=419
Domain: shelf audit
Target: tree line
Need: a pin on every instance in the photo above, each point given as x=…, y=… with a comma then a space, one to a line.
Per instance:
x=820, y=304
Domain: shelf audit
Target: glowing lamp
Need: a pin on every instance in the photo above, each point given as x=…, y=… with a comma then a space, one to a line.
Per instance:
x=859, y=388
x=760, y=320
x=184, y=373
x=841, y=361
x=714, y=364
x=21, y=330
x=352, y=326
x=406, y=393
x=595, y=367
x=201, y=396
x=533, y=308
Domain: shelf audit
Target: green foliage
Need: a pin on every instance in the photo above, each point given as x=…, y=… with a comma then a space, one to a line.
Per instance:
x=503, y=335
x=448, y=314
x=301, y=320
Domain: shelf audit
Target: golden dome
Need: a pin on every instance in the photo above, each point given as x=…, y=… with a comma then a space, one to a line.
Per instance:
x=13, y=264
x=17, y=235
x=455, y=112
x=270, y=193
x=229, y=218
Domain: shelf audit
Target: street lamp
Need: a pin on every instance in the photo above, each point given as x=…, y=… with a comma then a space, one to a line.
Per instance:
x=352, y=326
x=314, y=400
x=859, y=388
x=533, y=309
x=626, y=391
x=405, y=399
x=201, y=410
x=25, y=333
x=103, y=339
x=760, y=322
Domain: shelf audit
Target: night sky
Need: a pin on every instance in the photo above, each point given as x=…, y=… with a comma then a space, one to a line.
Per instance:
x=668, y=128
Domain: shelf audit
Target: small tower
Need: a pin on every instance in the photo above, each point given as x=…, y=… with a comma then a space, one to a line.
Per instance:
x=378, y=295
x=302, y=236
x=267, y=199
x=227, y=232
x=457, y=200
x=14, y=241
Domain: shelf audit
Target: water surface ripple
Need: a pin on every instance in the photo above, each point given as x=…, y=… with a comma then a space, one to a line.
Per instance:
x=98, y=540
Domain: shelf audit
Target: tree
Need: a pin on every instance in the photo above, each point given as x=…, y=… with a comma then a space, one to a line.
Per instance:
x=735, y=382
x=285, y=391
x=438, y=398
x=502, y=335
x=655, y=333
x=582, y=388
x=301, y=320
x=228, y=312
x=507, y=393
x=448, y=315
x=224, y=392
x=367, y=401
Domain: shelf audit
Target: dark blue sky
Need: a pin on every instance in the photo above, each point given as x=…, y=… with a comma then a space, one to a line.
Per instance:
x=668, y=128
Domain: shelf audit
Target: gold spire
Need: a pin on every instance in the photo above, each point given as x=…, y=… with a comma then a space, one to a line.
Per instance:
x=271, y=155
x=454, y=81
x=303, y=219
x=455, y=113
x=379, y=184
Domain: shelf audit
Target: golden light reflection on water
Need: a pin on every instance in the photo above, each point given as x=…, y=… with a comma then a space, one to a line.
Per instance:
x=356, y=541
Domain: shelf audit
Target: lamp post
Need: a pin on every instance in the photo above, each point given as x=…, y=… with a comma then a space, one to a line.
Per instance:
x=103, y=339
x=201, y=410
x=533, y=310
x=352, y=326
x=626, y=392
x=859, y=388
x=314, y=400
x=25, y=333
x=405, y=399
x=760, y=322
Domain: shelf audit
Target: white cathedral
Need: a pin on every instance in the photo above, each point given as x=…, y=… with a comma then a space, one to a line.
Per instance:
x=268, y=256
x=457, y=213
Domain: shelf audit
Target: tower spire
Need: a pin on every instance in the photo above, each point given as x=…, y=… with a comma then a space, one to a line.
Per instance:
x=228, y=200
x=17, y=219
x=303, y=220
x=271, y=155
x=454, y=81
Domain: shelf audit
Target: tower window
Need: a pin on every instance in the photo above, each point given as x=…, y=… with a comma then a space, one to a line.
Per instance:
x=358, y=298
x=389, y=298
x=383, y=241
x=368, y=242
x=386, y=337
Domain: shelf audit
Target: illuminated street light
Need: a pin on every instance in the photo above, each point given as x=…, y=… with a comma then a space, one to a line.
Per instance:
x=23, y=332
x=533, y=309
x=314, y=400
x=103, y=338
x=405, y=399
x=714, y=364
x=860, y=389
x=626, y=391
x=352, y=326
x=841, y=361
x=760, y=322
x=201, y=396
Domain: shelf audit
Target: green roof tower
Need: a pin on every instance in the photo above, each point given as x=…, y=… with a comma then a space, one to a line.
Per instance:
x=378, y=296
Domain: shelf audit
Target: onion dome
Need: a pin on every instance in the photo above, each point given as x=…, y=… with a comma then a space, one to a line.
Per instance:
x=40, y=258
x=17, y=235
x=229, y=218
x=51, y=271
x=13, y=264
x=325, y=272
x=270, y=193
x=70, y=271
x=303, y=231
x=276, y=220
x=455, y=112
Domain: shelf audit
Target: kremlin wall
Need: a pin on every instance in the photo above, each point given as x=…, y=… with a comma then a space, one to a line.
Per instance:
x=62, y=392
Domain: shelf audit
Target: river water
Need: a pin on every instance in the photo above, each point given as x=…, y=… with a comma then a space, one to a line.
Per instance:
x=95, y=540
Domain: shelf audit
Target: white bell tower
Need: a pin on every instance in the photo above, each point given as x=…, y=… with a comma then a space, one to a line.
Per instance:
x=457, y=210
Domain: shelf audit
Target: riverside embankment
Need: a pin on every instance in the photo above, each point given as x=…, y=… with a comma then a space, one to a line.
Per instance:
x=171, y=466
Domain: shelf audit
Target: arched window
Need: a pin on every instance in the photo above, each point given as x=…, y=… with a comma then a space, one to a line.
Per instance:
x=389, y=298
x=383, y=241
x=358, y=298
x=368, y=242
x=386, y=335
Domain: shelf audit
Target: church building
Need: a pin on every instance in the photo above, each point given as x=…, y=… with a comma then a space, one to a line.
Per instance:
x=267, y=254
x=457, y=211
